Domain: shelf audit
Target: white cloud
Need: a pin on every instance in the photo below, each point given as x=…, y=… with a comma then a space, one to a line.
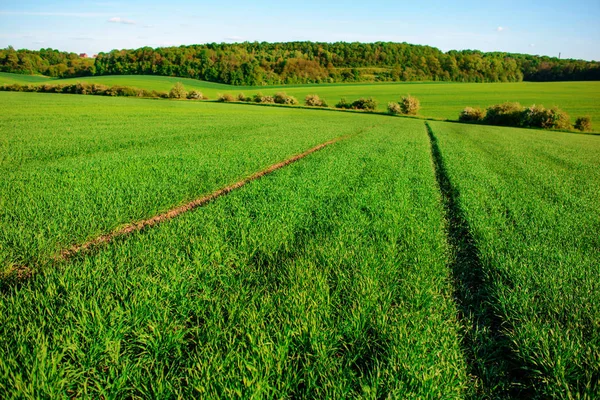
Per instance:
x=532, y=45
x=500, y=29
x=234, y=39
x=119, y=20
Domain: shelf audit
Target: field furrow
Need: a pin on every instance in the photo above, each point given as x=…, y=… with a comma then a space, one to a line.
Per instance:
x=530, y=202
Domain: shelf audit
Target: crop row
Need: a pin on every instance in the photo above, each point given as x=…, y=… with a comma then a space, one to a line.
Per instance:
x=76, y=168
x=350, y=273
x=530, y=205
x=325, y=279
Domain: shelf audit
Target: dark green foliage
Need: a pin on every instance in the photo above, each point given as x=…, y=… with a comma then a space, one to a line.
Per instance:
x=470, y=114
x=515, y=115
x=505, y=114
x=367, y=104
x=409, y=105
x=546, y=118
x=303, y=62
x=343, y=103
x=584, y=124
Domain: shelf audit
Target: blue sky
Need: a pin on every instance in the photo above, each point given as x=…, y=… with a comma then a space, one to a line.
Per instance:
x=535, y=27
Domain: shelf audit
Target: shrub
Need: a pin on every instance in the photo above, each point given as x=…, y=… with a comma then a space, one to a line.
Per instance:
x=343, y=104
x=195, y=95
x=260, y=98
x=46, y=88
x=178, y=91
x=559, y=119
x=242, y=97
x=313, y=100
x=368, y=104
x=410, y=105
x=98, y=89
x=225, y=98
x=125, y=91
x=82, y=88
x=282, y=98
x=257, y=98
x=505, y=114
x=470, y=114
x=15, y=87
x=162, y=95
x=536, y=117
x=394, y=108
x=584, y=124
x=59, y=89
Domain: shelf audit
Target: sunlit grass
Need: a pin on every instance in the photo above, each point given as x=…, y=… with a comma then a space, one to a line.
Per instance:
x=325, y=279
x=531, y=200
x=438, y=100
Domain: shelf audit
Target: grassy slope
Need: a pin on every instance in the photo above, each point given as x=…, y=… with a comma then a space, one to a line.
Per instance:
x=327, y=279
x=8, y=78
x=76, y=166
x=439, y=100
x=531, y=200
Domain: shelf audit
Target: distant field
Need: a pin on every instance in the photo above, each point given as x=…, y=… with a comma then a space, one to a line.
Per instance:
x=459, y=261
x=438, y=100
x=6, y=78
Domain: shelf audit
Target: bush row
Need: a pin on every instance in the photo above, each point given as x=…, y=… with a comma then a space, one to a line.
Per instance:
x=85, y=88
x=514, y=114
x=505, y=114
x=368, y=104
x=96, y=89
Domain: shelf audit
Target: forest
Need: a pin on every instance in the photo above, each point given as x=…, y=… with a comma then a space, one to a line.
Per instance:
x=254, y=63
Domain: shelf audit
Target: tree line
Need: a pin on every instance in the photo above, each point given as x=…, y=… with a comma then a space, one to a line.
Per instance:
x=254, y=63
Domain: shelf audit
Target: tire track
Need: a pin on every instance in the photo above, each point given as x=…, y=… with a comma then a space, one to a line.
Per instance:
x=491, y=361
x=19, y=273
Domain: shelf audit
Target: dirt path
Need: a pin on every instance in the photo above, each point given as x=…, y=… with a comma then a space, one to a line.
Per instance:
x=137, y=226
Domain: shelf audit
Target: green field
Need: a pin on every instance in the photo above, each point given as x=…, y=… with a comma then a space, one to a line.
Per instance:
x=458, y=261
x=438, y=100
x=530, y=202
x=82, y=165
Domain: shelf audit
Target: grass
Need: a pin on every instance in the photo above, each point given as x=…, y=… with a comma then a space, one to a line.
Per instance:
x=458, y=261
x=8, y=78
x=529, y=201
x=438, y=100
x=74, y=167
x=325, y=279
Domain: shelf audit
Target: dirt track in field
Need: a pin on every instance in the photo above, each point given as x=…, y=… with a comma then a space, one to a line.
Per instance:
x=137, y=226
